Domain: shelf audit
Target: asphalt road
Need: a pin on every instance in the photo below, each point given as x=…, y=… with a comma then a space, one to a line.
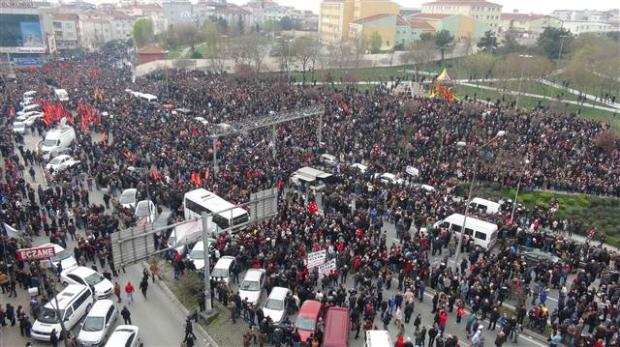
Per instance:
x=161, y=323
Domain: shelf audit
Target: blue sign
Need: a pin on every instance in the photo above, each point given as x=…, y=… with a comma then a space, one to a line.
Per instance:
x=27, y=61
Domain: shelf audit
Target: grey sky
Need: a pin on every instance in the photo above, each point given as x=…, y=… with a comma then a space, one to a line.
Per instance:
x=525, y=6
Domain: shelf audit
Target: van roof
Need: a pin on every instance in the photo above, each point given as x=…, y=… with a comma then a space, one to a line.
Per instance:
x=471, y=223
x=57, y=132
x=336, y=327
x=485, y=202
x=279, y=292
x=224, y=262
x=100, y=308
x=66, y=295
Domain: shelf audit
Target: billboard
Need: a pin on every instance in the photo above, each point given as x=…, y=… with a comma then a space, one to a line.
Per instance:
x=21, y=33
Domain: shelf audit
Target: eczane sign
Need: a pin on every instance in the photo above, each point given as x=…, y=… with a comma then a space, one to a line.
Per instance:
x=36, y=253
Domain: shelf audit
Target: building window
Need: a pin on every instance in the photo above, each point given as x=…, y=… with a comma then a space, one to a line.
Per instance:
x=57, y=25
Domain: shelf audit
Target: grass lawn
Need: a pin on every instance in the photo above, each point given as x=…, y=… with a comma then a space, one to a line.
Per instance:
x=530, y=102
x=175, y=53
x=593, y=211
x=594, y=85
x=532, y=87
x=384, y=73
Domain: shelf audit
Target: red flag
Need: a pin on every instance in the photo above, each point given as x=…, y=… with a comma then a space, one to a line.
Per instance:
x=218, y=144
x=194, y=132
x=206, y=174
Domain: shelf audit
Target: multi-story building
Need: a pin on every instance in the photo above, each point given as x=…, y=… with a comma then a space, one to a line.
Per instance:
x=577, y=27
x=66, y=30
x=336, y=16
x=527, y=23
x=382, y=24
x=486, y=14
x=177, y=12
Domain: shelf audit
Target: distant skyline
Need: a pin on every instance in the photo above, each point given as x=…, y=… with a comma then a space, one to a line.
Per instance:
x=524, y=6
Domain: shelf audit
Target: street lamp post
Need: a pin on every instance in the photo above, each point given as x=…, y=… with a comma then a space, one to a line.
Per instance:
x=499, y=134
x=514, y=204
x=526, y=56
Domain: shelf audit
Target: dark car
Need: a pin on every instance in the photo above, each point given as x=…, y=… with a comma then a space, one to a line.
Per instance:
x=535, y=256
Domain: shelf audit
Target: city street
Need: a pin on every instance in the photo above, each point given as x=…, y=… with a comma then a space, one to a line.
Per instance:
x=157, y=311
x=161, y=323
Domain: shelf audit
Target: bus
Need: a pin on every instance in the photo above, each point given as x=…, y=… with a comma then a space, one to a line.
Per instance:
x=224, y=214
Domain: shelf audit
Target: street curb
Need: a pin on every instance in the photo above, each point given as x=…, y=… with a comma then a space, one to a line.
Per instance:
x=208, y=339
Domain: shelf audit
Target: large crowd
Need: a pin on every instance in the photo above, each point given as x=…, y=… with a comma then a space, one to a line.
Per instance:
x=133, y=139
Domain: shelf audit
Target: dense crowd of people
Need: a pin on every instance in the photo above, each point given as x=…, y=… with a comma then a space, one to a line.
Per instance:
x=152, y=147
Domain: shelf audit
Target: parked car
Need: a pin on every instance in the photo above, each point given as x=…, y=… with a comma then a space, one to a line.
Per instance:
x=125, y=336
x=197, y=254
x=275, y=305
x=534, y=256
x=19, y=127
x=128, y=198
x=62, y=257
x=98, y=323
x=60, y=163
x=252, y=285
x=145, y=213
x=101, y=286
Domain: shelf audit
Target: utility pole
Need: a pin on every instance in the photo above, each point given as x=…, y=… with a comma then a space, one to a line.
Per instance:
x=215, y=155
x=561, y=47
x=207, y=257
x=525, y=56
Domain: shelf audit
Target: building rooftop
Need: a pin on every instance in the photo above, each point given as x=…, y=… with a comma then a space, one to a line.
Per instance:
x=421, y=25
x=521, y=16
x=151, y=50
x=462, y=2
x=372, y=18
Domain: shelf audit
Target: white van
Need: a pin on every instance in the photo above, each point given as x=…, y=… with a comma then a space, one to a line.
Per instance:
x=484, y=205
x=483, y=233
x=378, y=338
x=57, y=140
x=252, y=285
x=73, y=303
x=221, y=270
x=29, y=108
x=98, y=323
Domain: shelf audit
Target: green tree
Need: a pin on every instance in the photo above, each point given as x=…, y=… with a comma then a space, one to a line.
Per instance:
x=427, y=37
x=553, y=41
x=142, y=32
x=479, y=65
x=443, y=41
x=488, y=43
x=286, y=23
x=374, y=42
x=188, y=34
x=510, y=43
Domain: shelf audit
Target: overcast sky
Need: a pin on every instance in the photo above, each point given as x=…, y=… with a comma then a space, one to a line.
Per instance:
x=525, y=6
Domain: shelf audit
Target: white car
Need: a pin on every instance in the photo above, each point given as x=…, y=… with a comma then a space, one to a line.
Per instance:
x=61, y=162
x=101, y=286
x=62, y=257
x=145, y=213
x=252, y=285
x=389, y=178
x=19, y=127
x=359, y=167
x=197, y=254
x=125, y=336
x=201, y=120
x=275, y=306
x=30, y=120
x=128, y=198
x=30, y=114
x=98, y=324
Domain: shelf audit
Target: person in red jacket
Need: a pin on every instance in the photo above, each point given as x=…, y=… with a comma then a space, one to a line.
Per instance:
x=129, y=289
x=443, y=320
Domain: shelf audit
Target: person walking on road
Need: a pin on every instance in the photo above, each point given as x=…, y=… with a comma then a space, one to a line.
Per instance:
x=129, y=290
x=117, y=291
x=54, y=338
x=126, y=315
x=144, y=286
